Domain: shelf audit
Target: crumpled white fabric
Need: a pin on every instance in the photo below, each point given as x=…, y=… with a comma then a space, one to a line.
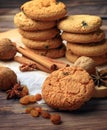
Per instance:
x=32, y=79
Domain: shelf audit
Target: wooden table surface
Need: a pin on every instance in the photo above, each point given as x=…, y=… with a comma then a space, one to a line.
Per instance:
x=92, y=116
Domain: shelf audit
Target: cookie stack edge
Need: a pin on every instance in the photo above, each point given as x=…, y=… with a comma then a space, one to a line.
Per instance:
x=37, y=24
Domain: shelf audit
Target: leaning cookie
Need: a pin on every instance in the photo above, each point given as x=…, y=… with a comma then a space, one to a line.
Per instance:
x=48, y=44
x=25, y=23
x=39, y=35
x=44, y=10
x=96, y=36
x=80, y=23
x=68, y=88
x=52, y=53
x=99, y=60
x=92, y=49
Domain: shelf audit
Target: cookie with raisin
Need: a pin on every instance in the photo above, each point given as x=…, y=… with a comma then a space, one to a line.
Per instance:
x=80, y=23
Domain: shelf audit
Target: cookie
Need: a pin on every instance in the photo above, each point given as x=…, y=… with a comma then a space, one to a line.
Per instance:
x=92, y=49
x=99, y=60
x=52, y=53
x=70, y=56
x=39, y=35
x=96, y=36
x=44, y=10
x=80, y=23
x=25, y=23
x=48, y=44
x=68, y=88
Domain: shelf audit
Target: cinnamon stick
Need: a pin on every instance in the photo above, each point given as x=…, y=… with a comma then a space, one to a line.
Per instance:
x=24, y=60
x=59, y=64
x=39, y=59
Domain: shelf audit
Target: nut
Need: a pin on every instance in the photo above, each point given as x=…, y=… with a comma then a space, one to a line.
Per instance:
x=7, y=49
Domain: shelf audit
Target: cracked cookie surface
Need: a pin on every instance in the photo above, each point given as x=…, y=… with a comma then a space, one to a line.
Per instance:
x=44, y=10
x=67, y=88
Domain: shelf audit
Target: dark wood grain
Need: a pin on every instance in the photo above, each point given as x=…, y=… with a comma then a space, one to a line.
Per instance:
x=92, y=116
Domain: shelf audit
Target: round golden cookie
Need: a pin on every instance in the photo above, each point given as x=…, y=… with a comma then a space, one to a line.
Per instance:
x=39, y=35
x=99, y=60
x=52, y=53
x=48, y=44
x=92, y=49
x=68, y=88
x=25, y=23
x=44, y=10
x=96, y=36
x=80, y=23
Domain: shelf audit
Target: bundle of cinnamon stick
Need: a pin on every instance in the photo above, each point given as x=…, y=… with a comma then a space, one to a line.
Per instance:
x=31, y=61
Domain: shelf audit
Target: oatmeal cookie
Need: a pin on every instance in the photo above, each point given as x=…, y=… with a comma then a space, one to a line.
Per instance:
x=25, y=23
x=80, y=23
x=52, y=53
x=48, y=44
x=99, y=60
x=96, y=36
x=44, y=10
x=68, y=88
x=39, y=35
x=91, y=49
x=70, y=56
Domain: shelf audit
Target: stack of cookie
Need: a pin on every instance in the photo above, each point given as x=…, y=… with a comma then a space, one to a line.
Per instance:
x=37, y=25
x=84, y=38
